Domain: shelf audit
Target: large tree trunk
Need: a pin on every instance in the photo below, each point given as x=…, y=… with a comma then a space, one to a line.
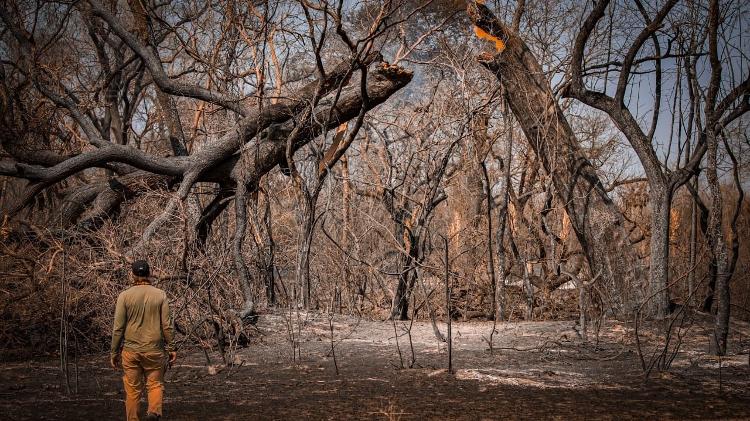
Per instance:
x=716, y=238
x=717, y=243
x=596, y=220
x=661, y=204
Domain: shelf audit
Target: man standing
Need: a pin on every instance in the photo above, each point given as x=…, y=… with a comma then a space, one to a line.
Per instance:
x=143, y=329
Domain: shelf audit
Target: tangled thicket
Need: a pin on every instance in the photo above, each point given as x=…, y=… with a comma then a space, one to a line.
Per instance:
x=293, y=154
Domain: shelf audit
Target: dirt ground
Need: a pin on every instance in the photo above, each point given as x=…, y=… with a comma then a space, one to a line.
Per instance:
x=537, y=370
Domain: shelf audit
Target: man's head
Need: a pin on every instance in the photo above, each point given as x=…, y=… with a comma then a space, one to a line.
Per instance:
x=141, y=269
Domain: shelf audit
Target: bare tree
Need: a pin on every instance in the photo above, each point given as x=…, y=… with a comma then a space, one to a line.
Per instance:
x=662, y=180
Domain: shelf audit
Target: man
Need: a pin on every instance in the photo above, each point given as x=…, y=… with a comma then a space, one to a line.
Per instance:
x=143, y=328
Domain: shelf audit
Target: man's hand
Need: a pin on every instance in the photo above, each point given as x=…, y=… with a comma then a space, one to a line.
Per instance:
x=114, y=361
x=172, y=358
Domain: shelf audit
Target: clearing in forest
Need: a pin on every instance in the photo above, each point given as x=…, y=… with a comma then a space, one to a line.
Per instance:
x=537, y=370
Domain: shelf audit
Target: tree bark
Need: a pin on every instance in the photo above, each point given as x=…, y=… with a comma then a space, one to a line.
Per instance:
x=661, y=203
x=717, y=243
x=716, y=240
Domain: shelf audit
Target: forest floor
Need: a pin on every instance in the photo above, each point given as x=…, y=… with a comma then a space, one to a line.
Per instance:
x=537, y=370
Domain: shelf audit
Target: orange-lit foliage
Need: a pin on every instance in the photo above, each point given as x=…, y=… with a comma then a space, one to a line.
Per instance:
x=482, y=34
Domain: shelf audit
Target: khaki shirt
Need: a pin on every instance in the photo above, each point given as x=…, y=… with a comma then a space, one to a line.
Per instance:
x=142, y=319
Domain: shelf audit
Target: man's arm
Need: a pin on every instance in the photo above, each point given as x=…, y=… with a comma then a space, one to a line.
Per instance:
x=118, y=328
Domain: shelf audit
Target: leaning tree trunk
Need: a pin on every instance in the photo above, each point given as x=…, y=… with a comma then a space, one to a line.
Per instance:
x=596, y=220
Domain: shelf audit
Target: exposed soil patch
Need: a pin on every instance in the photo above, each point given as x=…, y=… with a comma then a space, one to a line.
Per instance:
x=538, y=370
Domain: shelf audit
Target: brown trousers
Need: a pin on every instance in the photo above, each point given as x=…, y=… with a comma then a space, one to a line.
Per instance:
x=136, y=366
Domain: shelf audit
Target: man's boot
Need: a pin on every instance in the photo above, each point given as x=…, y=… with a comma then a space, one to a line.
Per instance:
x=152, y=417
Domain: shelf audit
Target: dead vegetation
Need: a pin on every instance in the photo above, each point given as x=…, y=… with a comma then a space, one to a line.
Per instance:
x=314, y=179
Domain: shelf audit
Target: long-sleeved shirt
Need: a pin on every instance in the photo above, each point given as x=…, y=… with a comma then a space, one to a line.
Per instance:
x=142, y=320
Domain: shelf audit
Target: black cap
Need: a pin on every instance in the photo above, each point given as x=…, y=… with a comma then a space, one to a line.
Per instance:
x=140, y=268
